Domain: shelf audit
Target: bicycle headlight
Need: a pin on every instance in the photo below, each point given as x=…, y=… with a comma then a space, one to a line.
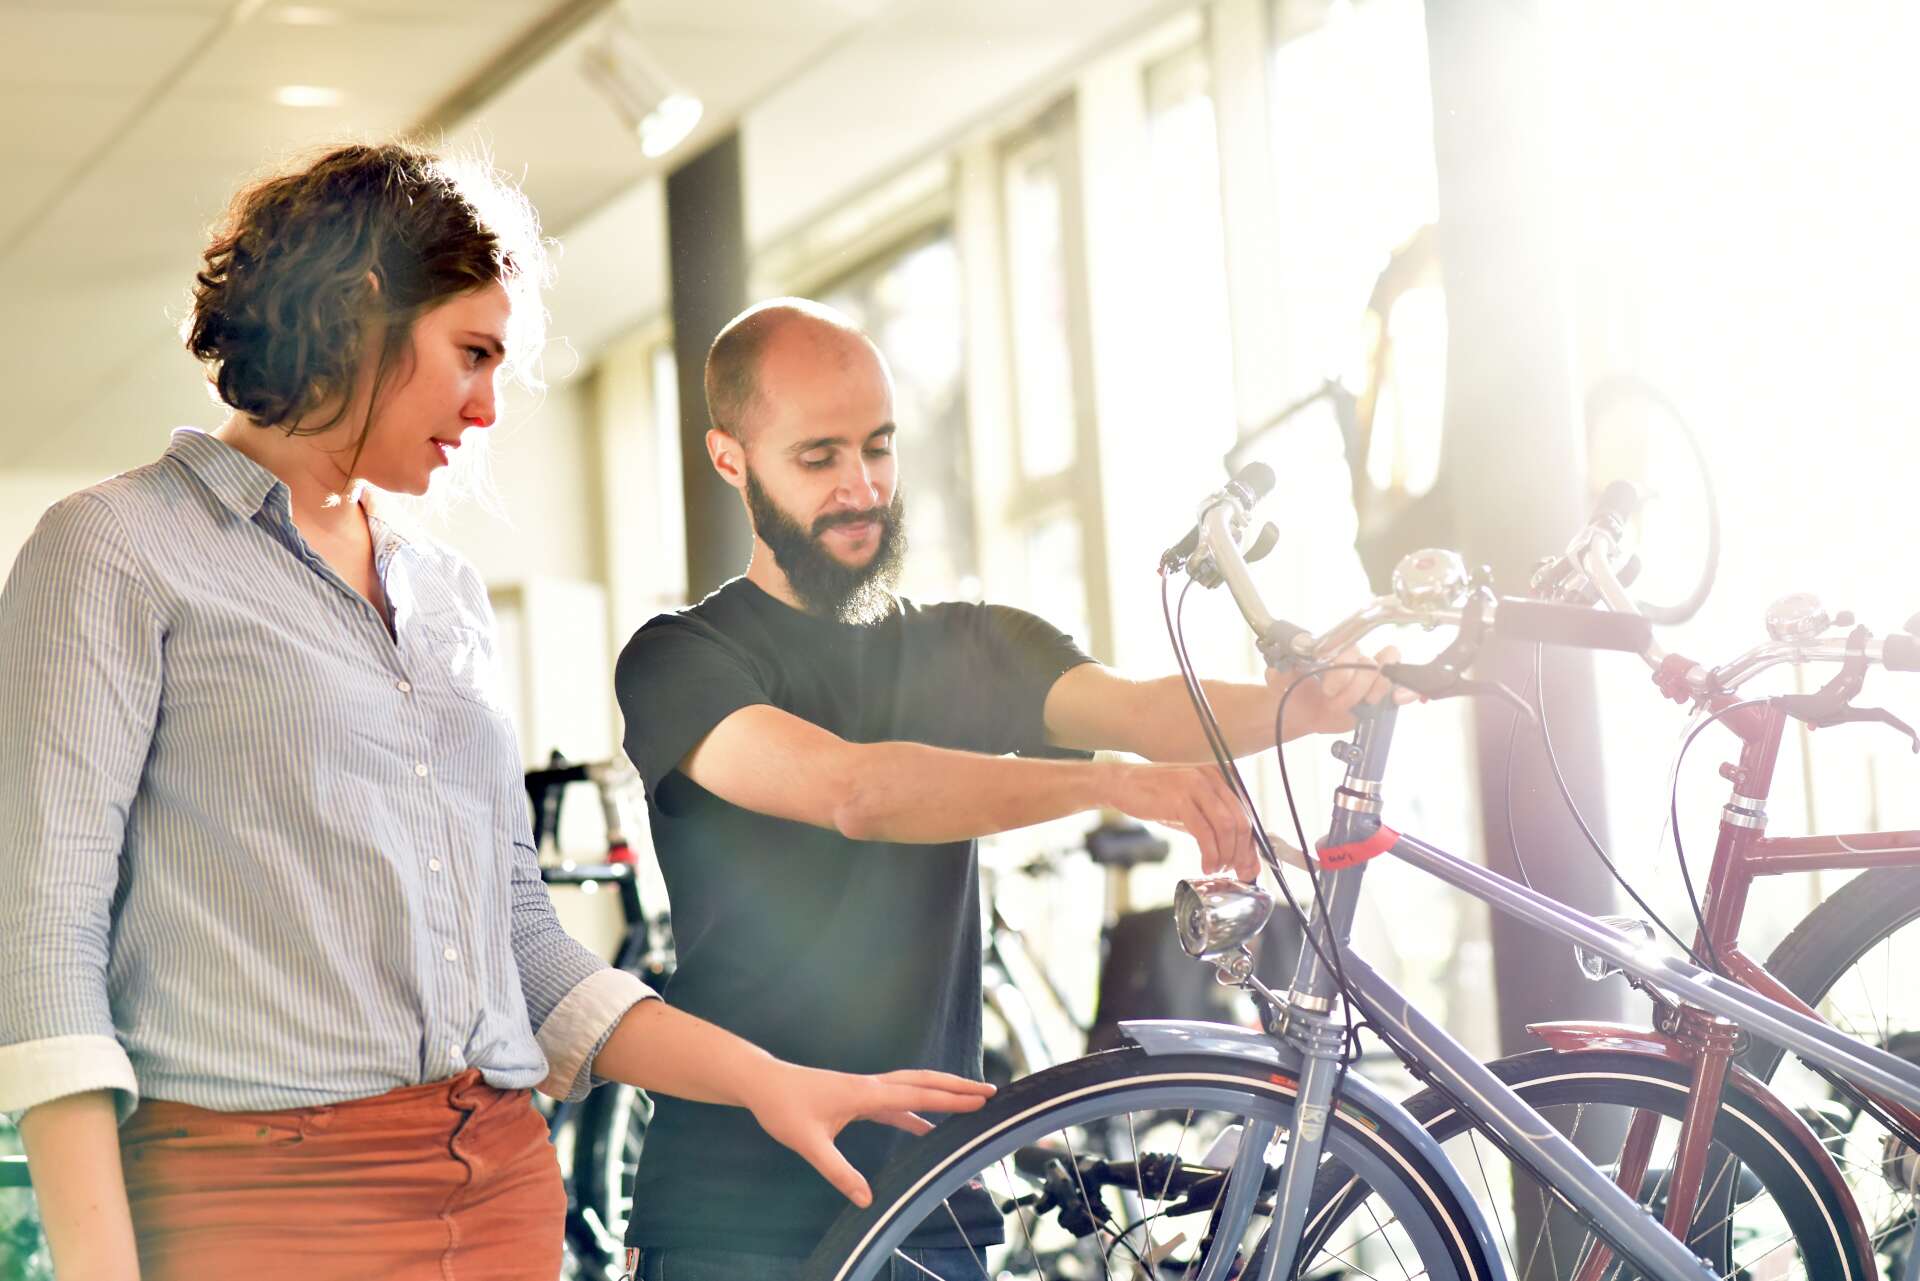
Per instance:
x=1216, y=914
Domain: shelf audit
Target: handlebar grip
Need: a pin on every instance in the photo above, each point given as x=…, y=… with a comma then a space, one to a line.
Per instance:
x=1617, y=505
x=1901, y=653
x=1543, y=623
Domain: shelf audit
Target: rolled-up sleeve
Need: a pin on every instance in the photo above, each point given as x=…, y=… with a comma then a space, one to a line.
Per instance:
x=81, y=640
x=574, y=999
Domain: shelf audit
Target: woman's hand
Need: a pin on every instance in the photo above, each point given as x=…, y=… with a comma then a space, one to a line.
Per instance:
x=806, y=1108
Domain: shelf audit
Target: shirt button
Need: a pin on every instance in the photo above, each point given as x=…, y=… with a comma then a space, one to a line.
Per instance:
x=421, y=769
x=453, y=1052
x=451, y=955
x=433, y=865
x=403, y=686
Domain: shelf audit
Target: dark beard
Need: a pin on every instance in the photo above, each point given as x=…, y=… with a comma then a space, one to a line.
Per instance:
x=825, y=586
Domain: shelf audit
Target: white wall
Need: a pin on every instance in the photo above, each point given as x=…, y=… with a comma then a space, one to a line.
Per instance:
x=545, y=519
x=24, y=496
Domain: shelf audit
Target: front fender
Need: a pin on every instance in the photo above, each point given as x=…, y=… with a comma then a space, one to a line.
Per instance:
x=1187, y=1036
x=1572, y=1036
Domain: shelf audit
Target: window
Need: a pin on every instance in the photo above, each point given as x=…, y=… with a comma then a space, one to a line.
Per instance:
x=908, y=298
x=1037, y=296
x=1052, y=508
x=1184, y=282
x=1353, y=149
x=1748, y=252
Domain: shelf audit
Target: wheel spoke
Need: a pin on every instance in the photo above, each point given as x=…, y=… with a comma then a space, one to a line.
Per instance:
x=1093, y=1207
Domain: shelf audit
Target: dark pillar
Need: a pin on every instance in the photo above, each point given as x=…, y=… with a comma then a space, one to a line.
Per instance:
x=1516, y=473
x=707, y=273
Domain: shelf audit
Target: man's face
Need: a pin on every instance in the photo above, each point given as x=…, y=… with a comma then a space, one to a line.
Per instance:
x=821, y=471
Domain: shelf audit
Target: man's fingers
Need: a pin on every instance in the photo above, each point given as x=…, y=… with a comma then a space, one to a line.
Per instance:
x=1335, y=681
x=1199, y=825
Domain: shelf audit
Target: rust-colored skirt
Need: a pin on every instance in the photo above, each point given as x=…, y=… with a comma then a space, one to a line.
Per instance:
x=452, y=1181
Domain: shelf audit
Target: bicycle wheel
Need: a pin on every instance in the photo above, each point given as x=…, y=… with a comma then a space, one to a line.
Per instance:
x=1014, y=1184
x=613, y=1128
x=1764, y=1213
x=1853, y=959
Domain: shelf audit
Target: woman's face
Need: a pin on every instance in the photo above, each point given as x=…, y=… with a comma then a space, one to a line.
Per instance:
x=437, y=393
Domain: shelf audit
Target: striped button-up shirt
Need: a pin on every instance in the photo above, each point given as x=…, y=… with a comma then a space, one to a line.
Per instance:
x=257, y=851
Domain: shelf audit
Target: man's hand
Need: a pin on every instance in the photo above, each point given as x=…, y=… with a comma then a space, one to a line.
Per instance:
x=1195, y=799
x=1324, y=703
x=806, y=1108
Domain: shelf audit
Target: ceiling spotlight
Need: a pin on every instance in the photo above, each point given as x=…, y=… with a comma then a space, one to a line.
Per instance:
x=306, y=96
x=659, y=113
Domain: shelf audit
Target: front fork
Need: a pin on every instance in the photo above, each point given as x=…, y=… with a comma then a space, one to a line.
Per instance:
x=1708, y=1046
x=1306, y=1022
x=1711, y=1044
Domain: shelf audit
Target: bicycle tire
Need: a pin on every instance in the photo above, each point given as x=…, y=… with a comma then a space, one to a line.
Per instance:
x=1813, y=962
x=612, y=1129
x=1832, y=938
x=1815, y=1211
x=1102, y=1087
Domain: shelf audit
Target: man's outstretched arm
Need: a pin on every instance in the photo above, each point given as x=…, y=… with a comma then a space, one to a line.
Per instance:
x=769, y=761
x=1094, y=708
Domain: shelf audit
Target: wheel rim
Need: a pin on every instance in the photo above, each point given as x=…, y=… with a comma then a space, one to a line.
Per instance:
x=1071, y=1188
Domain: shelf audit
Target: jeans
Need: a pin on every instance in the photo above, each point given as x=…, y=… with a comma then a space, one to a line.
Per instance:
x=956, y=1264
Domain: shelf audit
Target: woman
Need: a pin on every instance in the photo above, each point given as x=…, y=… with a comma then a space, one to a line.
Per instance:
x=272, y=908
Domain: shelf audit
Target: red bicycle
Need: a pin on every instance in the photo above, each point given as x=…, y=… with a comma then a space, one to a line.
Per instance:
x=1849, y=961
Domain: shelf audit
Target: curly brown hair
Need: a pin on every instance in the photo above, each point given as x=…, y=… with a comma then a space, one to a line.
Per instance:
x=303, y=263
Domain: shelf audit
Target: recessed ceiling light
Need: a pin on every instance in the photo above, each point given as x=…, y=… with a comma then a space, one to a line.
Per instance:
x=306, y=15
x=306, y=96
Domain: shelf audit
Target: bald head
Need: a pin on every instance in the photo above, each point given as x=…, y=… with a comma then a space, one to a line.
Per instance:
x=744, y=363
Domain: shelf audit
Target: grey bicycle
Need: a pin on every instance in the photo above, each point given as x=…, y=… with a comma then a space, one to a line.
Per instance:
x=1212, y=1152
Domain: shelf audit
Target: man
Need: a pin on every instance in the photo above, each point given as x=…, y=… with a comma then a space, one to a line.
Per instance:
x=819, y=757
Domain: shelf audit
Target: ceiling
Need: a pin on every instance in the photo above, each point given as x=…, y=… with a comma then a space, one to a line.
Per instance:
x=126, y=124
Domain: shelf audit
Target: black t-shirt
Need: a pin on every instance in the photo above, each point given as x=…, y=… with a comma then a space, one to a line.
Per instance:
x=861, y=956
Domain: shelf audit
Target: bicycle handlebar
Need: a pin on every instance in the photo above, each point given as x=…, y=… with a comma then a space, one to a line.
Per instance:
x=1901, y=653
x=1432, y=589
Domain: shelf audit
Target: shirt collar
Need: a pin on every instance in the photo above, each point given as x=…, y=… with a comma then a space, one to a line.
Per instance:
x=235, y=479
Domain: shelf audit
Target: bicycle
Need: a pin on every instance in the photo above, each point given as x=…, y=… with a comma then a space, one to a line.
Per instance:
x=1260, y=1201
x=1809, y=967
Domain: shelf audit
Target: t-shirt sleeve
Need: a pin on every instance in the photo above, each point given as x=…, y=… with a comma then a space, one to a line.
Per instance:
x=676, y=681
x=1027, y=654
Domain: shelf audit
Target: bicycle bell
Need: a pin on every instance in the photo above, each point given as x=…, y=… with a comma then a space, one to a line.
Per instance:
x=1216, y=914
x=1797, y=618
x=1432, y=578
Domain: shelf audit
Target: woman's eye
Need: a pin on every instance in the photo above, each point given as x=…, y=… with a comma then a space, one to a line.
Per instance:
x=477, y=355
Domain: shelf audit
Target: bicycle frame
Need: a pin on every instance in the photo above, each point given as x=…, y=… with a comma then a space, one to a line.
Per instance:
x=1529, y=1139
x=1741, y=857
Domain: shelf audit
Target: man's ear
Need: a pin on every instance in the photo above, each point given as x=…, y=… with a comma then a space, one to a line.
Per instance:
x=729, y=457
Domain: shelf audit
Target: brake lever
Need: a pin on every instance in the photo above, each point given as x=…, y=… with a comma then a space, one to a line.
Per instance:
x=1444, y=676
x=1832, y=703
x=1870, y=715
x=1827, y=705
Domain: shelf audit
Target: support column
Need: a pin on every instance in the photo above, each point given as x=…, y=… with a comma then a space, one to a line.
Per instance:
x=1513, y=464
x=1514, y=470
x=707, y=273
